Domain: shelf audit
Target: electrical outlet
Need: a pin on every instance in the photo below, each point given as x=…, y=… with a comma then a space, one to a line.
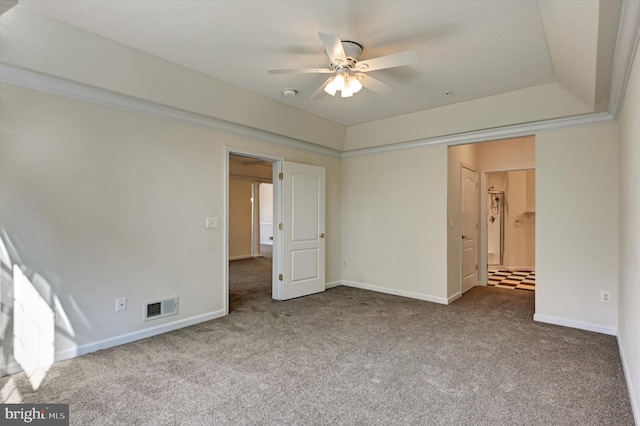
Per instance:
x=121, y=304
x=605, y=296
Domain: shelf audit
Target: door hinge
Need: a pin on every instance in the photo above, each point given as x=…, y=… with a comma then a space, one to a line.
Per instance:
x=281, y=226
x=280, y=277
x=281, y=176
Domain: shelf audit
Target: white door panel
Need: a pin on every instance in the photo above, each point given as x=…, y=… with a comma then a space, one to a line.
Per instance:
x=303, y=219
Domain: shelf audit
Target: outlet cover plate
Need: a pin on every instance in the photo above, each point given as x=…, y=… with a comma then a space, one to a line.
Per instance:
x=121, y=304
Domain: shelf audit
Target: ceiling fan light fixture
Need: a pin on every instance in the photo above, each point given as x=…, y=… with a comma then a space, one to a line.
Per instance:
x=354, y=84
x=348, y=73
x=346, y=91
x=330, y=87
x=339, y=81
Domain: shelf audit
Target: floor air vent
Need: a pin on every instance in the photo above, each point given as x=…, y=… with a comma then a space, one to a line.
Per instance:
x=160, y=308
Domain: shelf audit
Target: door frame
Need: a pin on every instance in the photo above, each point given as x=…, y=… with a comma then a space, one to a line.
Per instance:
x=276, y=162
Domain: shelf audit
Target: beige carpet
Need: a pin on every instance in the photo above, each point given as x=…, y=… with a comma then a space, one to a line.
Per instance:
x=351, y=357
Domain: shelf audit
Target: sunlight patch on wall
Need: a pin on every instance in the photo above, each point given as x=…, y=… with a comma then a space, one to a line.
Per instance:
x=10, y=394
x=34, y=329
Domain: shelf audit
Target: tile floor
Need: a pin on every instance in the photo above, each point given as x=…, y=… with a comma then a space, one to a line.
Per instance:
x=521, y=280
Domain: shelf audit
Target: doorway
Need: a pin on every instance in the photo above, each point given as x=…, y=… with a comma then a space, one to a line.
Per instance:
x=510, y=228
x=250, y=229
x=298, y=197
x=506, y=155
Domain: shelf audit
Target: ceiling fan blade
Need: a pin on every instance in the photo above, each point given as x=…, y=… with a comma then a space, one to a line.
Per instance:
x=320, y=92
x=375, y=85
x=389, y=61
x=302, y=71
x=333, y=46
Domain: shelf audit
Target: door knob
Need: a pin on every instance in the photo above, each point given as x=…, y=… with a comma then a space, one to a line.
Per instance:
x=322, y=235
x=464, y=236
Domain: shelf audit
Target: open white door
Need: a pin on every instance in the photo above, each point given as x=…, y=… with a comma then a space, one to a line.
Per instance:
x=469, y=247
x=301, y=270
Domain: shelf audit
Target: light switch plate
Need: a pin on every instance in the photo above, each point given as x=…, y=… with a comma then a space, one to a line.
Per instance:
x=211, y=222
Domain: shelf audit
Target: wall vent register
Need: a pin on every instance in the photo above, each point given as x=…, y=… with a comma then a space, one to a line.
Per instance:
x=160, y=308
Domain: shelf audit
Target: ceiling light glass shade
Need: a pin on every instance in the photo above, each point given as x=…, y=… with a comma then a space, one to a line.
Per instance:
x=338, y=82
x=330, y=87
x=343, y=82
x=346, y=90
x=354, y=84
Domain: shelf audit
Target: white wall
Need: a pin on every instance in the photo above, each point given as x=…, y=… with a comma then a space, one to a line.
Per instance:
x=629, y=236
x=507, y=154
x=394, y=222
x=266, y=213
x=520, y=106
x=240, y=219
x=520, y=224
x=105, y=203
x=576, y=241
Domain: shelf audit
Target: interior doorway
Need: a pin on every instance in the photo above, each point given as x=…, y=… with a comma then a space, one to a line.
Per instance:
x=298, y=203
x=505, y=155
x=250, y=229
x=510, y=228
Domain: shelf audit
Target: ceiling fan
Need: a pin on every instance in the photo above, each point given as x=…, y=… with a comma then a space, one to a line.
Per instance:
x=348, y=72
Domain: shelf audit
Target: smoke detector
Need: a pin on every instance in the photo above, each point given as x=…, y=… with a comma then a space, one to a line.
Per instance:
x=290, y=93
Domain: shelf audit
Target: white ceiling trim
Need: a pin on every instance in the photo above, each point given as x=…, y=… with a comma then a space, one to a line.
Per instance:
x=505, y=132
x=626, y=46
x=86, y=93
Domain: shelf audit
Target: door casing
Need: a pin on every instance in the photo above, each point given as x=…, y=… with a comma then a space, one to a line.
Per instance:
x=469, y=245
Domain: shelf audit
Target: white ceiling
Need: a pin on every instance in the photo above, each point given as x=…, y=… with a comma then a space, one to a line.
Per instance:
x=470, y=48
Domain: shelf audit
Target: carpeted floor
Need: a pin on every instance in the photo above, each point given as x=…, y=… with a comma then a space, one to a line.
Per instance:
x=350, y=357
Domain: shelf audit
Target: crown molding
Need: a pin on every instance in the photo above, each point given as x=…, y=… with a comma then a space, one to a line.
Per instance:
x=626, y=47
x=504, y=132
x=83, y=92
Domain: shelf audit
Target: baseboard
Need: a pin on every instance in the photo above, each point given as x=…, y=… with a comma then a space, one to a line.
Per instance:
x=576, y=324
x=514, y=268
x=245, y=256
x=332, y=284
x=635, y=408
x=395, y=292
x=61, y=355
x=454, y=297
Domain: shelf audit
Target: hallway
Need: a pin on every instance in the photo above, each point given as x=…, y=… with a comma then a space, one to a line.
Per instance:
x=250, y=279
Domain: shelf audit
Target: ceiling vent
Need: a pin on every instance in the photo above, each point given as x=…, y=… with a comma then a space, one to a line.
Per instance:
x=160, y=308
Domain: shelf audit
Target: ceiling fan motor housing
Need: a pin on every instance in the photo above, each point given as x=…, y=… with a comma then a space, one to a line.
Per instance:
x=352, y=51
